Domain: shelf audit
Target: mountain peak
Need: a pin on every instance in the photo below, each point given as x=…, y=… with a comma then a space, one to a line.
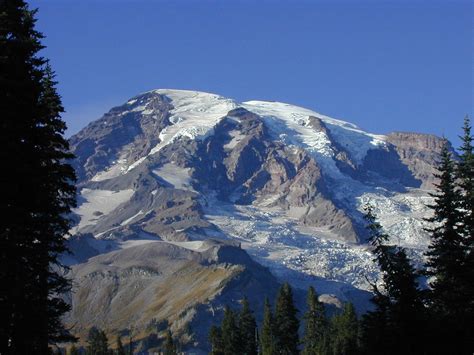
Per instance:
x=187, y=165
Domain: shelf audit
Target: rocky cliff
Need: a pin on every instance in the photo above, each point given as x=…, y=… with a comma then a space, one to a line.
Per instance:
x=286, y=183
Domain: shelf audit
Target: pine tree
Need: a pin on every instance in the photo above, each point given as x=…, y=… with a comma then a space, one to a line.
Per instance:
x=97, y=342
x=169, y=347
x=344, y=332
x=120, y=347
x=446, y=253
x=465, y=176
x=247, y=329
x=37, y=190
x=215, y=338
x=451, y=294
x=446, y=259
x=375, y=329
x=315, y=325
x=286, y=322
x=399, y=312
x=230, y=333
x=267, y=335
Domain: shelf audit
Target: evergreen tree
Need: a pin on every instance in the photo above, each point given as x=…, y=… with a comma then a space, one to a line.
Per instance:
x=286, y=322
x=344, y=332
x=399, y=312
x=97, y=342
x=120, y=347
x=315, y=326
x=375, y=330
x=169, y=347
x=230, y=333
x=267, y=335
x=465, y=176
x=130, y=341
x=37, y=190
x=215, y=338
x=448, y=256
x=446, y=253
x=247, y=329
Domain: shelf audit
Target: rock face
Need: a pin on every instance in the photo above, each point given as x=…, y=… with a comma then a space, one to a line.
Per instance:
x=286, y=183
x=158, y=284
x=419, y=152
x=124, y=133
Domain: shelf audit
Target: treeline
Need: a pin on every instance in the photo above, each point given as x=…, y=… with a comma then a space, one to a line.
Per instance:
x=429, y=310
x=279, y=332
x=98, y=344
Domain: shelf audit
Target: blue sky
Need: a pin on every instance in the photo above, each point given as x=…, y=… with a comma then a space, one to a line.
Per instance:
x=383, y=65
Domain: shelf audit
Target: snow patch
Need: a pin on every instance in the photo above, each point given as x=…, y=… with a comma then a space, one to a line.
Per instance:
x=176, y=176
x=128, y=220
x=117, y=169
x=237, y=136
x=99, y=203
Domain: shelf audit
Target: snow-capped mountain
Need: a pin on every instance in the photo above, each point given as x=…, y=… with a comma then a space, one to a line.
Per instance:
x=287, y=183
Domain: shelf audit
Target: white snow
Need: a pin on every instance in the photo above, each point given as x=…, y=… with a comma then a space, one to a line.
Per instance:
x=116, y=169
x=293, y=122
x=128, y=220
x=139, y=108
x=402, y=215
x=300, y=254
x=195, y=115
x=273, y=239
x=99, y=203
x=236, y=138
x=176, y=176
x=270, y=235
x=195, y=245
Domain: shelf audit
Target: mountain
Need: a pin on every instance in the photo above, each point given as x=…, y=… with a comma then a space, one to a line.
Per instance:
x=146, y=288
x=288, y=184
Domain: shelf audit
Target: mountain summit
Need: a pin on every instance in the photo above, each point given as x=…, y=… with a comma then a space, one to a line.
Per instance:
x=286, y=183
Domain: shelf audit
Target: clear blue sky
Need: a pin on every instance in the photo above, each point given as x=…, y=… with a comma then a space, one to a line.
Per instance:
x=383, y=65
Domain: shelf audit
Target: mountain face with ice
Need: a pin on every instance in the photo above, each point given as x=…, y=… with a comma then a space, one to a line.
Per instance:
x=287, y=183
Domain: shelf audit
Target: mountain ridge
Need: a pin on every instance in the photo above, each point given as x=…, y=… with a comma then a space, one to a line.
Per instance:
x=286, y=183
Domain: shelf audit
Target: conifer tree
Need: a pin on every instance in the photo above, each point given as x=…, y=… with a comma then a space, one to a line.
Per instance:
x=465, y=176
x=230, y=333
x=247, y=329
x=120, y=347
x=375, y=329
x=215, y=338
x=399, y=312
x=267, y=334
x=286, y=322
x=344, y=332
x=315, y=325
x=169, y=347
x=447, y=264
x=37, y=190
x=97, y=342
x=446, y=253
